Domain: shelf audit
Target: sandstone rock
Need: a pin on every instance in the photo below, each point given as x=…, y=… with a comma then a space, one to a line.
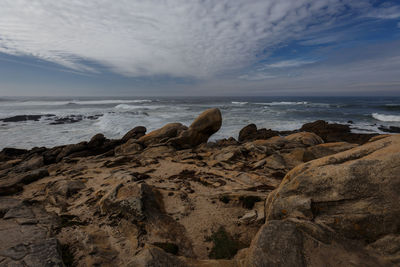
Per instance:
x=13, y=183
x=135, y=133
x=327, y=149
x=305, y=138
x=128, y=201
x=33, y=163
x=354, y=192
x=170, y=130
x=67, y=188
x=206, y=124
x=130, y=147
x=250, y=132
x=291, y=243
x=154, y=257
x=158, y=151
x=69, y=149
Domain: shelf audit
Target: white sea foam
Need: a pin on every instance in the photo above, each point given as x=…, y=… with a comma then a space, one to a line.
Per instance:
x=387, y=118
x=76, y=102
x=239, y=103
x=283, y=103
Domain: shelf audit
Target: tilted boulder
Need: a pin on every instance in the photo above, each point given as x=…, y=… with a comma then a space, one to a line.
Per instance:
x=206, y=124
x=135, y=133
x=163, y=134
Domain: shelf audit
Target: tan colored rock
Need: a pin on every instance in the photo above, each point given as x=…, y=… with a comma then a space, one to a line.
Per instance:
x=206, y=124
x=130, y=147
x=305, y=138
x=168, y=131
x=323, y=150
x=294, y=243
x=355, y=192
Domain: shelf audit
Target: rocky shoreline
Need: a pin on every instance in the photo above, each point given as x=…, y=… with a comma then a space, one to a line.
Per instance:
x=317, y=196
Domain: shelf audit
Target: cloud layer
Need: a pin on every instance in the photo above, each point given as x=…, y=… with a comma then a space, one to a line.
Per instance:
x=180, y=38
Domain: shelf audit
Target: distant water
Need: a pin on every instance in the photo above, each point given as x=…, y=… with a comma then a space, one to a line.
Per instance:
x=115, y=116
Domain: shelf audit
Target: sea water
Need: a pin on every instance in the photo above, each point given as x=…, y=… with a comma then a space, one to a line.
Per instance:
x=114, y=116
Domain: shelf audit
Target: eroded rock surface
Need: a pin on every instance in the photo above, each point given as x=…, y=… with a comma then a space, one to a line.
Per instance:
x=171, y=198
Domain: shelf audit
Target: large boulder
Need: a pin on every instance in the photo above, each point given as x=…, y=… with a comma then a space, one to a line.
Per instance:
x=305, y=138
x=163, y=134
x=135, y=133
x=295, y=243
x=334, y=132
x=206, y=124
x=250, y=133
x=352, y=196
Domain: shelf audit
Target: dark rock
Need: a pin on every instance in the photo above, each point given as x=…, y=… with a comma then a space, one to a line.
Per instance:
x=19, y=118
x=97, y=141
x=13, y=183
x=335, y=132
x=155, y=256
x=390, y=129
x=11, y=153
x=69, y=149
x=135, y=133
x=251, y=133
x=68, y=119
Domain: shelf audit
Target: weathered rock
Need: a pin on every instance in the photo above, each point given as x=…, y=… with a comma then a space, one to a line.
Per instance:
x=130, y=147
x=23, y=239
x=11, y=153
x=96, y=141
x=135, y=133
x=13, y=183
x=323, y=150
x=153, y=257
x=158, y=151
x=67, y=188
x=206, y=124
x=170, y=130
x=305, y=138
x=250, y=133
x=390, y=129
x=354, y=192
x=291, y=243
x=129, y=201
x=335, y=132
x=33, y=163
x=69, y=149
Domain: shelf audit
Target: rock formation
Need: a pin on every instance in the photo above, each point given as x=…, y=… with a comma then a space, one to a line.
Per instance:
x=171, y=198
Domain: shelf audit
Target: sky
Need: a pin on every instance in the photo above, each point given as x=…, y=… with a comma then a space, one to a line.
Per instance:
x=199, y=47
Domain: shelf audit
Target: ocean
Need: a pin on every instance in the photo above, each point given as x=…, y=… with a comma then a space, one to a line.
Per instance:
x=66, y=120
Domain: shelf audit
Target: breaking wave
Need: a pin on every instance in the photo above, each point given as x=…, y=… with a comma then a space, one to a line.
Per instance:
x=382, y=117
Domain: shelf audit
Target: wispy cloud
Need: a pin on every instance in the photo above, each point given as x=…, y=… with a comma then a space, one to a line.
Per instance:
x=178, y=38
x=386, y=12
x=289, y=63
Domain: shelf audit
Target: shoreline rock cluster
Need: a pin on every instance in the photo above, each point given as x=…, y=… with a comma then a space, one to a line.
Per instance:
x=317, y=196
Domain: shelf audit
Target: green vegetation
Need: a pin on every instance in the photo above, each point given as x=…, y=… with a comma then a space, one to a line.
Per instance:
x=168, y=247
x=225, y=246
